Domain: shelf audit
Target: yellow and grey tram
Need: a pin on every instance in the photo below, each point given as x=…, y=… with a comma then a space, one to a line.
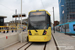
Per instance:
x=39, y=26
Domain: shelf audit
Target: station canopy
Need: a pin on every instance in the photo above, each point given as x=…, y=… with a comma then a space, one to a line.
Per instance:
x=3, y=16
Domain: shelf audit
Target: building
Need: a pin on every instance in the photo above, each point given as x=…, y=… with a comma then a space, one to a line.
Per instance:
x=56, y=23
x=2, y=20
x=67, y=10
x=15, y=23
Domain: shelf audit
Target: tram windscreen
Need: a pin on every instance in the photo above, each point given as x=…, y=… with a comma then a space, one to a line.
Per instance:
x=37, y=22
x=37, y=18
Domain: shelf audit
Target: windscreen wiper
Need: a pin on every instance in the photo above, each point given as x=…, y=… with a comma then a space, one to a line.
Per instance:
x=35, y=30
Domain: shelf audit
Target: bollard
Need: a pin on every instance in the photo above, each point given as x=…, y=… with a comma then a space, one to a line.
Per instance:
x=6, y=37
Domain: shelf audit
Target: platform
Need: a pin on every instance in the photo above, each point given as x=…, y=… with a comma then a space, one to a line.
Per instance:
x=8, y=39
x=64, y=42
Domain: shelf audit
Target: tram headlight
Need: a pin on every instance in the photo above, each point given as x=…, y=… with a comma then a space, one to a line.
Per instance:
x=45, y=32
x=30, y=33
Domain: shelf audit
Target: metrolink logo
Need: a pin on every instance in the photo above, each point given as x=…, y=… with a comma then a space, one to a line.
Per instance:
x=66, y=47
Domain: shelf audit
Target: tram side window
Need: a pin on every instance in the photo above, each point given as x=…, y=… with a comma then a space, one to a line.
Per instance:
x=48, y=20
x=0, y=28
x=67, y=26
x=74, y=27
x=63, y=26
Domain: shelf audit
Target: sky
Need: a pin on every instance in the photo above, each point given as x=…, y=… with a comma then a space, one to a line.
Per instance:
x=8, y=7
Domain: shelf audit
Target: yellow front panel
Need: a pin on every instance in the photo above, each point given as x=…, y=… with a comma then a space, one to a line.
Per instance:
x=38, y=36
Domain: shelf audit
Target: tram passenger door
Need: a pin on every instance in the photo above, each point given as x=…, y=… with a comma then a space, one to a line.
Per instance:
x=74, y=27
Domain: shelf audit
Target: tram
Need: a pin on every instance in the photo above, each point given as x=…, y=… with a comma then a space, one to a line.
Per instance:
x=67, y=28
x=4, y=29
x=39, y=26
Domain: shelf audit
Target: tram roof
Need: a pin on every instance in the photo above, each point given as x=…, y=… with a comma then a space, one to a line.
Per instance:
x=40, y=10
x=65, y=23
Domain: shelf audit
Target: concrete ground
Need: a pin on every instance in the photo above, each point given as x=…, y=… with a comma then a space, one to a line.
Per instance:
x=15, y=46
x=64, y=42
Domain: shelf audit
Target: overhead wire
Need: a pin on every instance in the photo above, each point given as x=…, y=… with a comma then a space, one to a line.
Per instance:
x=6, y=7
x=42, y=4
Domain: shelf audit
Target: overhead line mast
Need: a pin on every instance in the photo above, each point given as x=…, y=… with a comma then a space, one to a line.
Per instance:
x=42, y=4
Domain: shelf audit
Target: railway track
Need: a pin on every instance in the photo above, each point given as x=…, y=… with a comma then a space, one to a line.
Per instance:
x=38, y=46
x=22, y=46
x=26, y=46
x=45, y=46
x=57, y=48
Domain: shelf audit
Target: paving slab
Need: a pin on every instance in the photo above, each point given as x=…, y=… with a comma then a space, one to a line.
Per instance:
x=64, y=42
x=51, y=45
x=36, y=46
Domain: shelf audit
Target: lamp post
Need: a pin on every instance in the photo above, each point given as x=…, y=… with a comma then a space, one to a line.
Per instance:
x=21, y=21
x=53, y=20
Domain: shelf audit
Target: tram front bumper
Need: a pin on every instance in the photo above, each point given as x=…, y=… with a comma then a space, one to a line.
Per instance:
x=39, y=38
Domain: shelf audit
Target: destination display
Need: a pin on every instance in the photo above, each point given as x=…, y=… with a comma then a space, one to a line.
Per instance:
x=37, y=13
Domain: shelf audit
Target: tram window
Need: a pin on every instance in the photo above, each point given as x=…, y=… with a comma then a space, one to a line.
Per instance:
x=37, y=18
x=63, y=26
x=48, y=20
x=7, y=28
x=67, y=26
x=0, y=28
x=3, y=28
